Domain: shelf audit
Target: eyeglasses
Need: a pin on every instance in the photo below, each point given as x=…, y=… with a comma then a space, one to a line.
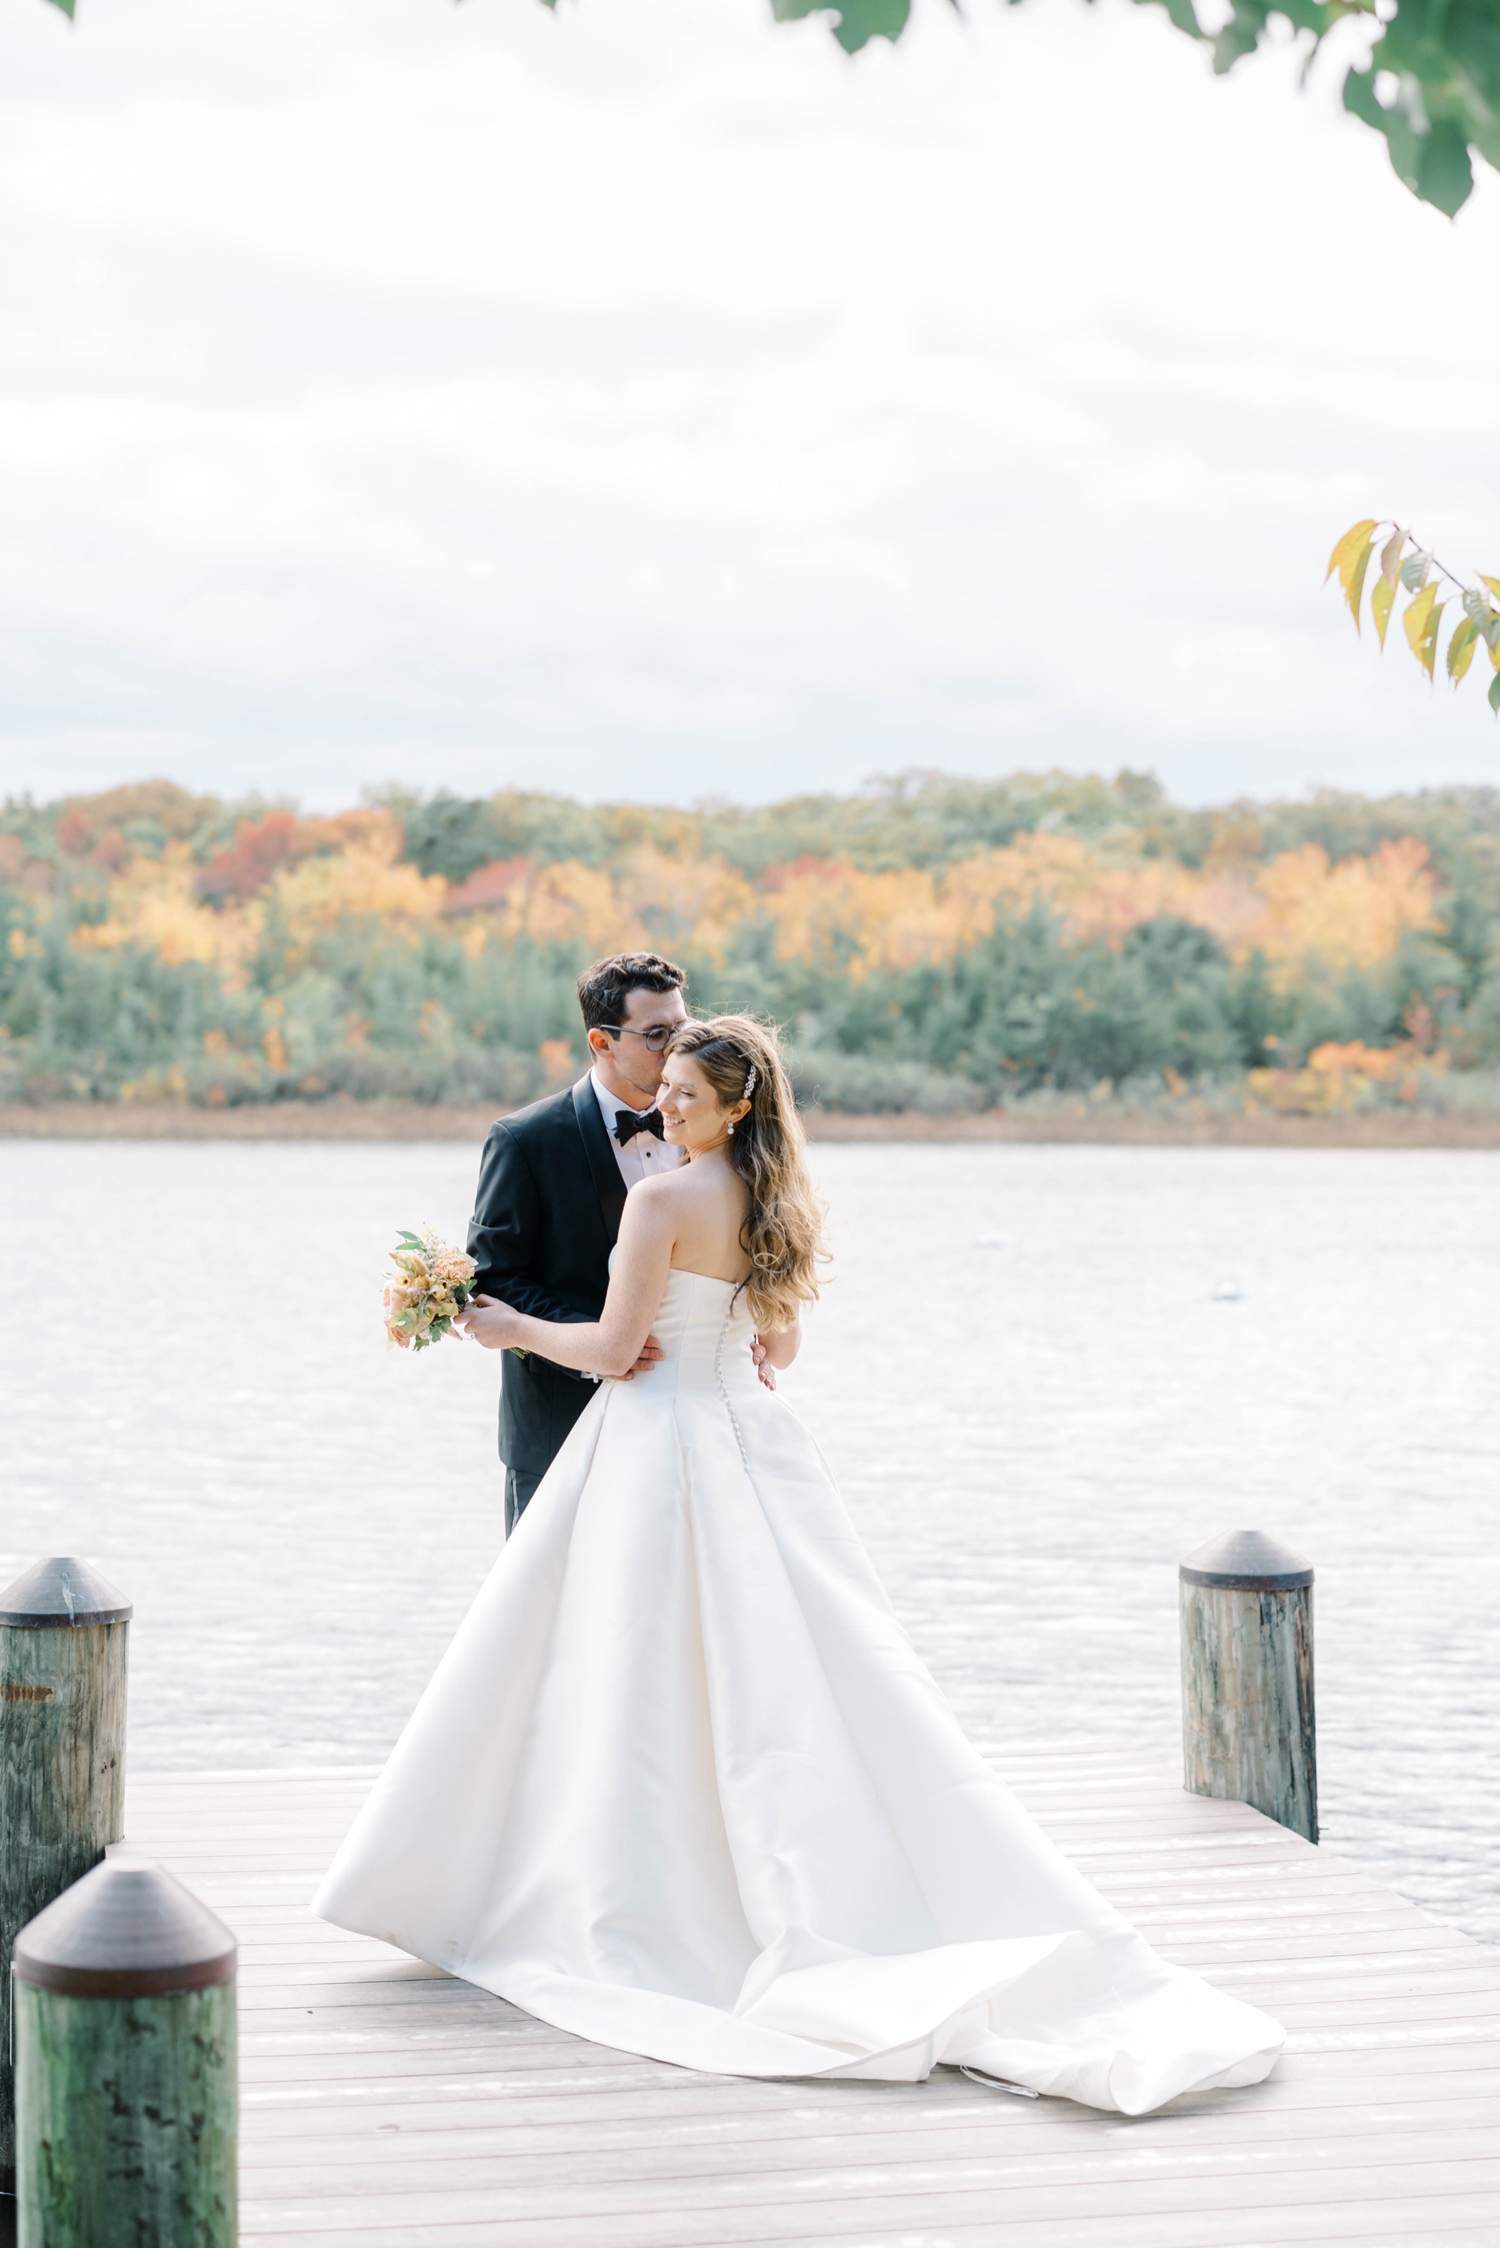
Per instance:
x=656, y=1037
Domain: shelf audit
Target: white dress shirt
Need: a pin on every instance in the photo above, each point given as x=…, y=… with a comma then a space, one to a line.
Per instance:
x=645, y=1153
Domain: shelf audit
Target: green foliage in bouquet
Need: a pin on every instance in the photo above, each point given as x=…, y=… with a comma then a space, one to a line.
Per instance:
x=431, y=1287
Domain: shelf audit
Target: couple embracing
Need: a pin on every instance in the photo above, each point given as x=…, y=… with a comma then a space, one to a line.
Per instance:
x=681, y=1784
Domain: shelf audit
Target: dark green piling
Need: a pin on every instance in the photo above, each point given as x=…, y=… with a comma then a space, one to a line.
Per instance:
x=126, y=2095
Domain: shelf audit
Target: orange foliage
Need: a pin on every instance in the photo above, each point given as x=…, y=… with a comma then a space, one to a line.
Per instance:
x=488, y=886
x=245, y=866
x=1336, y=1078
x=75, y=832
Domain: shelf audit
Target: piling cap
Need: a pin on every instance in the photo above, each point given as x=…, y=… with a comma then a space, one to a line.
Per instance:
x=126, y=1930
x=1246, y=1561
x=60, y=1592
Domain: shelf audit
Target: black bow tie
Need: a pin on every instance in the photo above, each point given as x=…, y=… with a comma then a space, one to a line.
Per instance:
x=629, y=1121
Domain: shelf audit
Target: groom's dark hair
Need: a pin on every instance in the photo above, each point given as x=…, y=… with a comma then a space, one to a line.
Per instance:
x=604, y=988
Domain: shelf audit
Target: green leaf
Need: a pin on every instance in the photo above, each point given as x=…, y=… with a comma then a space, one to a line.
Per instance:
x=1239, y=37
x=1184, y=15
x=858, y=22
x=1494, y=694
x=1380, y=604
x=1401, y=138
x=1461, y=648
x=1484, y=618
x=65, y=5
x=1421, y=626
x=1445, y=176
x=1413, y=572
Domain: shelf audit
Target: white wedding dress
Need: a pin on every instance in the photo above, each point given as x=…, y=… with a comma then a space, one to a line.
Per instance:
x=681, y=1785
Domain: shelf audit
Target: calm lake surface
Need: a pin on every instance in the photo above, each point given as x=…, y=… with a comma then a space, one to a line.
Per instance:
x=1025, y=1374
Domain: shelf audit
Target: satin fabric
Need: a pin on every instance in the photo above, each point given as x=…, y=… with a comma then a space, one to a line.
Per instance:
x=681, y=1785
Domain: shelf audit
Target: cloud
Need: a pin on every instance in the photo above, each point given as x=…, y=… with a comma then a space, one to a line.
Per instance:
x=647, y=401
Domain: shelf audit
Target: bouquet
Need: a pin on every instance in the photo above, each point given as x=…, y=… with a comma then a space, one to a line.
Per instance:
x=432, y=1285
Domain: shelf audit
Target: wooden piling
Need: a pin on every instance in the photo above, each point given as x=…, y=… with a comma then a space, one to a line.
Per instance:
x=126, y=2099
x=1248, y=1729
x=64, y=1634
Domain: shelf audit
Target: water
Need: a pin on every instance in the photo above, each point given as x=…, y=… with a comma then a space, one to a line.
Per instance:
x=1042, y=1375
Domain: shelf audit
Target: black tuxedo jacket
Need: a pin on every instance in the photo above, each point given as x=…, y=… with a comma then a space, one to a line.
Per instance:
x=546, y=1217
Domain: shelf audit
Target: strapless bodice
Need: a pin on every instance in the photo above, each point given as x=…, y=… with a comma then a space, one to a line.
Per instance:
x=705, y=1331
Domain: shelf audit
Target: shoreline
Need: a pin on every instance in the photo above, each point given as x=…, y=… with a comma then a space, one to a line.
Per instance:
x=412, y=1120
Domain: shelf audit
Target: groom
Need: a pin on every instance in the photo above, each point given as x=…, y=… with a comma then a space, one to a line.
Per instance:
x=552, y=1186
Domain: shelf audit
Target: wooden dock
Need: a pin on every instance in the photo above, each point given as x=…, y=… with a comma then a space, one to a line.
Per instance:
x=385, y=2103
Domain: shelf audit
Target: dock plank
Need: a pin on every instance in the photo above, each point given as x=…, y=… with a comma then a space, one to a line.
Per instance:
x=386, y=2105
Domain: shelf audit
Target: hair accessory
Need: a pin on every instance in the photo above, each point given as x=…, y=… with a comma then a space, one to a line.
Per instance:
x=750, y=1081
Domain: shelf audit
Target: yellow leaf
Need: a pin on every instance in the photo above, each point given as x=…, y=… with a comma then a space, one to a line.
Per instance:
x=1354, y=584
x=1380, y=603
x=1390, y=559
x=1461, y=648
x=1421, y=626
x=1344, y=554
x=1492, y=583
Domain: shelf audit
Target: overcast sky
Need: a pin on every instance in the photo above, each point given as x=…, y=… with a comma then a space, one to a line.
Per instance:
x=648, y=401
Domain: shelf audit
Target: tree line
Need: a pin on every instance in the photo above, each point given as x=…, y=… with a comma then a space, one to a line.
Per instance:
x=929, y=942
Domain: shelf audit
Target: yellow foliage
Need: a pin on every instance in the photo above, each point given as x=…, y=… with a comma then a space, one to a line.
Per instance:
x=1095, y=896
x=151, y=903
x=837, y=915
x=569, y=902
x=652, y=898
x=1299, y=908
x=1352, y=914
x=1336, y=1078
x=365, y=879
x=677, y=897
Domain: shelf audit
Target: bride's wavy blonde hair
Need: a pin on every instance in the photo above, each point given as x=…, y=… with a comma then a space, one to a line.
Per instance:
x=783, y=1232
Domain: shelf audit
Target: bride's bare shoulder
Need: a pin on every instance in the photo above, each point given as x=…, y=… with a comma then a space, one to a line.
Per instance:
x=675, y=1190
x=666, y=1197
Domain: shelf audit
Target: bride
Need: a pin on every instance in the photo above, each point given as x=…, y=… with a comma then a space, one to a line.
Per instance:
x=681, y=1784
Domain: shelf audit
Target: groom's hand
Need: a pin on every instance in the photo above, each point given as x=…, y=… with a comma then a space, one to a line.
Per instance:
x=763, y=1366
x=651, y=1354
